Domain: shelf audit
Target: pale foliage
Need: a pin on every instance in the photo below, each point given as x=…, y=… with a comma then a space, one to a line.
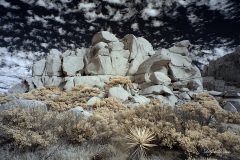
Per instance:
x=118, y=80
x=140, y=139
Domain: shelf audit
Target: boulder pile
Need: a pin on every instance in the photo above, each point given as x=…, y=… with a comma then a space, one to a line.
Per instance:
x=222, y=78
x=166, y=74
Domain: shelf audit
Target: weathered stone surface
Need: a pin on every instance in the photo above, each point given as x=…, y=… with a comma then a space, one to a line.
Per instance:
x=184, y=90
x=18, y=88
x=24, y=104
x=52, y=81
x=116, y=46
x=72, y=64
x=183, y=73
x=140, y=99
x=131, y=56
x=157, y=90
x=230, y=107
x=142, y=86
x=219, y=85
x=120, y=62
x=232, y=93
x=100, y=65
x=160, y=78
x=152, y=64
x=214, y=93
x=114, y=64
x=184, y=43
x=104, y=36
x=38, y=67
x=68, y=53
x=55, y=52
x=140, y=49
x=98, y=46
x=195, y=84
x=37, y=81
x=81, y=52
x=180, y=84
x=118, y=93
x=79, y=111
x=53, y=65
x=226, y=67
x=184, y=96
x=180, y=50
x=92, y=81
x=208, y=83
x=69, y=83
x=93, y=100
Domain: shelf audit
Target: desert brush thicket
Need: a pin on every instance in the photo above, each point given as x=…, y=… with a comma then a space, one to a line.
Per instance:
x=195, y=128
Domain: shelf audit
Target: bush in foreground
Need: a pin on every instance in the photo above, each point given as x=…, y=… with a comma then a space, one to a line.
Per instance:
x=195, y=128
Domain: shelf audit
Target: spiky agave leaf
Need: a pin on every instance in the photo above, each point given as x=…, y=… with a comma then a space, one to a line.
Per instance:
x=140, y=139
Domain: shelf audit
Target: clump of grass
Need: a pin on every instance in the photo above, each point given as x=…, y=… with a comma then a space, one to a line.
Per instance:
x=118, y=80
x=110, y=103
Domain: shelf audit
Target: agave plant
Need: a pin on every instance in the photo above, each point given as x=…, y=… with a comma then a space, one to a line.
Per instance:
x=140, y=139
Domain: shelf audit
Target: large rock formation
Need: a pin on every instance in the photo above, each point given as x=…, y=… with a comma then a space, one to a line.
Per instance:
x=226, y=67
x=155, y=74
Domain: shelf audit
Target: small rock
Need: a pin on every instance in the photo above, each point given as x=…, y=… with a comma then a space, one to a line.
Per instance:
x=160, y=78
x=18, y=88
x=178, y=85
x=79, y=111
x=140, y=99
x=118, y=93
x=92, y=100
x=184, y=96
x=230, y=107
x=184, y=43
x=38, y=67
x=104, y=36
x=214, y=93
x=69, y=83
x=184, y=90
x=116, y=46
x=24, y=104
x=168, y=100
x=232, y=94
x=157, y=90
x=180, y=50
x=72, y=64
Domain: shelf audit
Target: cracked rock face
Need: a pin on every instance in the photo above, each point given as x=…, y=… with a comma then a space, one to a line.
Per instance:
x=155, y=74
x=226, y=67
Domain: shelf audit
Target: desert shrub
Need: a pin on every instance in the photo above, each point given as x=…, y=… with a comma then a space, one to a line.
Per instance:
x=188, y=128
x=118, y=80
x=62, y=100
x=3, y=99
x=110, y=103
x=230, y=141
x=28, y=128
